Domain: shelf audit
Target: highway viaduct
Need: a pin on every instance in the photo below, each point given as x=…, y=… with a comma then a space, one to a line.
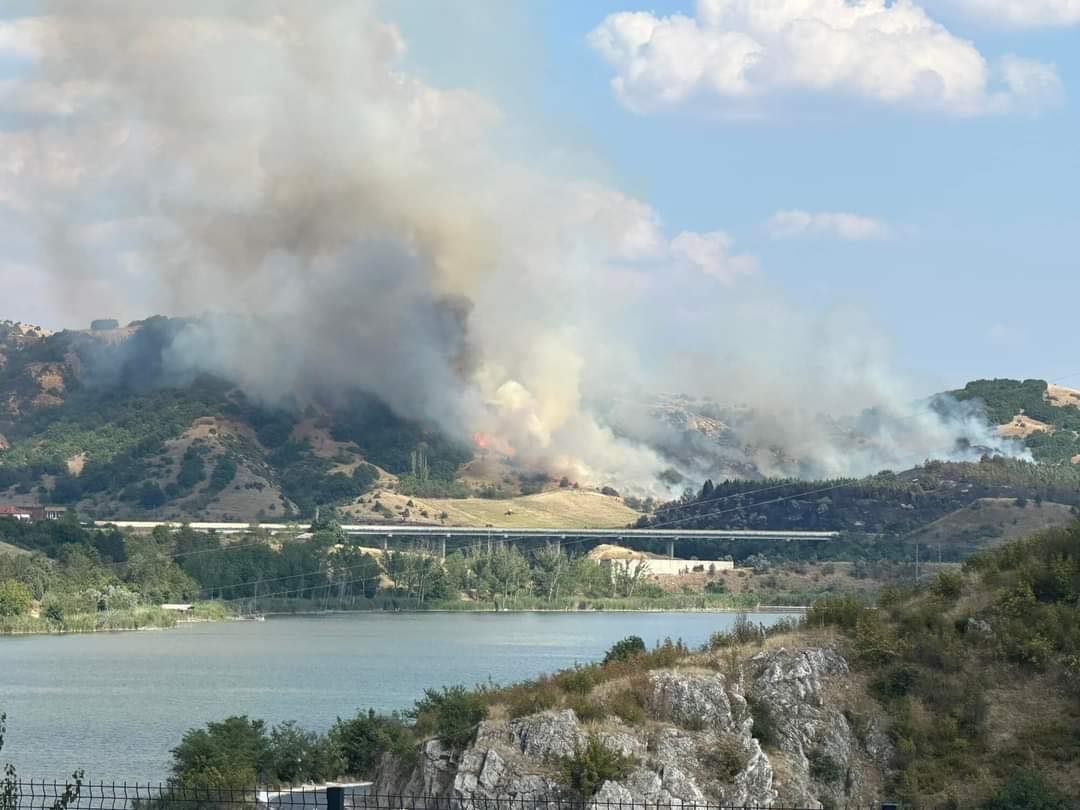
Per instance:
x=383, y=533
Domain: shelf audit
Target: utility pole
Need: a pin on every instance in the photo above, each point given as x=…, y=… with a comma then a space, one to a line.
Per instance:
x=916, y=563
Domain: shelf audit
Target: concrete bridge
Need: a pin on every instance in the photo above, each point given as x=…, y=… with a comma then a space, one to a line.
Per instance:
x=383, y=533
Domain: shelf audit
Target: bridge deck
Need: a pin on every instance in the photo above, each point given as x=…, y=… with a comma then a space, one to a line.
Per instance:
x=415, y=530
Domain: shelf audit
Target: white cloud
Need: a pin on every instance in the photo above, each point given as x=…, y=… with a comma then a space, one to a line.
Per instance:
x=852, y=227
x=17, y=38
x=711, y=254
x=1023, y=13
x=732, y=54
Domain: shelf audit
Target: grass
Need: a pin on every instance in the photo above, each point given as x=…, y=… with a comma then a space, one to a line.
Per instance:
x=555, y=509
x=139, y=618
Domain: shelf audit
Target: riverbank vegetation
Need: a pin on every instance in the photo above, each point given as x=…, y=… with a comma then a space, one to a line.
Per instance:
x=70, y=578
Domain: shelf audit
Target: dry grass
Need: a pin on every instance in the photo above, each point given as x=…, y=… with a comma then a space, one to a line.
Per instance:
x=1062, y=397
x=997, y=513
x=556, y=509
x=1023, y=426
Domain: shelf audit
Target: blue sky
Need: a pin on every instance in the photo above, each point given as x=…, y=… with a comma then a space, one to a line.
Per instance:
x=978, y=274
x=981, y=278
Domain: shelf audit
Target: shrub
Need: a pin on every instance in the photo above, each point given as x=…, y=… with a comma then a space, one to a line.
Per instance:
x=586, y=709
x=1026, y=790
x=743, y=631
x=667, y=654
x=837, y=611
x=578, y=681
x=894, y=683
x=629, y=647
x=765, y=728
x=591, y=765
x=825, y=768
x=15, y=598
x=531, y=700
x=727, y=759
x=631, y=703
x=948, y=585
x=363, y=740
x=453, y=714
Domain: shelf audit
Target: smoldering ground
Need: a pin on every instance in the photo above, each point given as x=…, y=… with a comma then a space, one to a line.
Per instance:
x=357, y=227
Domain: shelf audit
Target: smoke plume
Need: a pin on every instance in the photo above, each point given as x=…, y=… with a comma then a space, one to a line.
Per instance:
x=343, y=224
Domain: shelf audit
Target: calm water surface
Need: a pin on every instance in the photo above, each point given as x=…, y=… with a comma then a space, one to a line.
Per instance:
x=115, y=703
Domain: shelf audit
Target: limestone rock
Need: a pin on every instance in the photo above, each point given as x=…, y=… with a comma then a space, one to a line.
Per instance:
x=699, y=747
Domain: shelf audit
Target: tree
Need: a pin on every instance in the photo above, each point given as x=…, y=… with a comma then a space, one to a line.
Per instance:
x=362, y=740
x=232, y=753
x=15, y=598
x=151, y=495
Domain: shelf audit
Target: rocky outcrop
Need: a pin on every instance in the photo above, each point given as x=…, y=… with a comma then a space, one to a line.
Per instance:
x=701, y=744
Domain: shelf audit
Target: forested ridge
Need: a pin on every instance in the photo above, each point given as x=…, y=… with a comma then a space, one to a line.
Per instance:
x=872, y=512
x=101, y=425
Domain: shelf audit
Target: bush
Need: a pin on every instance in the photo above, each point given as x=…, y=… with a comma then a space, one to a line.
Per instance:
x=837, y=611
x=627, y=648
x=531, y=700
x=727, y=759
x=1026, y=790
x=631, y=704
x=948, y=585
x=743, y=631
x=765, y=729
x=825, y=768
x=362, y=741
x=578, y=681
x=666, y=654
x=894, y=683
x=586, y=709
x=15, y=598
x=453, y=714
x=592, y=765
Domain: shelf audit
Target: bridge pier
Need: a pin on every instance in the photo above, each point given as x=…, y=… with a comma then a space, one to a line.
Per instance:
x=442, y=548
x=671, y=549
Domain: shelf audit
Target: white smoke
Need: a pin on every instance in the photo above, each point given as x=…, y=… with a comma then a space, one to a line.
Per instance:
x=273, y=160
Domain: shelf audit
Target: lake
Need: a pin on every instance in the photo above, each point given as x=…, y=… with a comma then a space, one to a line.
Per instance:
x=116, y=703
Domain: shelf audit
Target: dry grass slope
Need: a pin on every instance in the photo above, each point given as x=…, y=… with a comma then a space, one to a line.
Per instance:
x=998, y=514
x=555, y=509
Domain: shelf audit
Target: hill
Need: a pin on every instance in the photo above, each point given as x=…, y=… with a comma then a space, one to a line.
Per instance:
x=553, y=509
x=1045, y=416
x=99, y=421
x=880, y=516
x=994, y=520
x=92, y=419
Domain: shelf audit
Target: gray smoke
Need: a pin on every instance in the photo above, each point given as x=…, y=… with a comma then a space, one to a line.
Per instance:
x=348, y=225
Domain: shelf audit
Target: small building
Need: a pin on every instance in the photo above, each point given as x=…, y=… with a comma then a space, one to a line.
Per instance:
x=16, y=512
x=34, y=513
x=665, y=566
x=178, y=608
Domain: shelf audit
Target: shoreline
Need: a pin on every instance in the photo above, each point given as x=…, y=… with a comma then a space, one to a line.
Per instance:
x=794, y=610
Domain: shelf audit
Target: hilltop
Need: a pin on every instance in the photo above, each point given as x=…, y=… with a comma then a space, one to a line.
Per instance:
x=91, y=419
x=96, y=420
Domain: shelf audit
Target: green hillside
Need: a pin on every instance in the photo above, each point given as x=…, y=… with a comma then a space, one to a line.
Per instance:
x=92, y=420
x=1002, y=400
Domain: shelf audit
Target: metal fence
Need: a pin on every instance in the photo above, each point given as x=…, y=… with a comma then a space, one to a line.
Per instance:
x=44, y=795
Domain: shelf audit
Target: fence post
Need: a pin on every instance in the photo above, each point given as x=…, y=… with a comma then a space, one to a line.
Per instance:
x=335, y=798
